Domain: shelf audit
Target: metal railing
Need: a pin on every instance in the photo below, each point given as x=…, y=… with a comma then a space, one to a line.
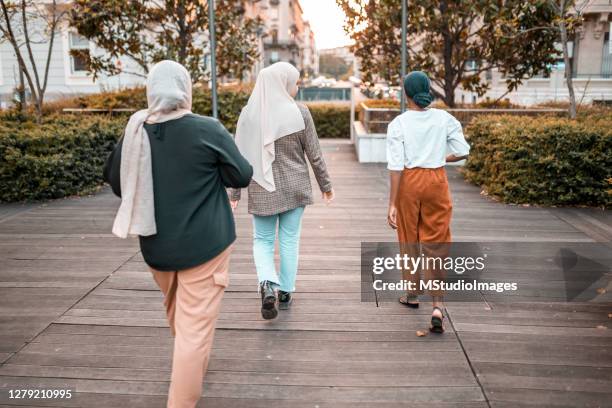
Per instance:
x=323, y=94
x=376, y=120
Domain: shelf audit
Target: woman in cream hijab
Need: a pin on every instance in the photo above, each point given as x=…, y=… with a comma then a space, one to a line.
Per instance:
x=278, y=136
x=171, y=169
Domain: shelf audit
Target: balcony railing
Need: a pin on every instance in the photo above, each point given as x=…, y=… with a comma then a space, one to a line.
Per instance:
x=281, y=44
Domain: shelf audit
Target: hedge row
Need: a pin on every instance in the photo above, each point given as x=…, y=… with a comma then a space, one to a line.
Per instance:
x=230, y=102
x=64, y=155
x=331, y=120
x=61, y=157
x=546, y=161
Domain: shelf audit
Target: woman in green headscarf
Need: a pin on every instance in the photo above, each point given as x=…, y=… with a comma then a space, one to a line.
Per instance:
x=420, y=206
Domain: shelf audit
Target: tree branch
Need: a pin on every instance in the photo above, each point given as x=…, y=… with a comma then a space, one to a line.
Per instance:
x=12, y=39
x=53, y=26
x=36, y=92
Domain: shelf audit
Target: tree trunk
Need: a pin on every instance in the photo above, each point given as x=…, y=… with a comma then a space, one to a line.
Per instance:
x=447, y=55
x=182, y=31
x=39, y=110
x=449, y=97
x=568, y=70
x=21, y=91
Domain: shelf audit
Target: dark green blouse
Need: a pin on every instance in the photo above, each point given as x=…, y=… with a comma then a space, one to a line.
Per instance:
x=194, y=159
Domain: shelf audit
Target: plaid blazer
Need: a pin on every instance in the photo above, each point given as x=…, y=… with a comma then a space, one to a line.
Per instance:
x=291, y=176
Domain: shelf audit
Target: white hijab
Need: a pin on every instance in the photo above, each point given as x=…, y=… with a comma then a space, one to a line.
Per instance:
x=168, y=97
x=270, y=114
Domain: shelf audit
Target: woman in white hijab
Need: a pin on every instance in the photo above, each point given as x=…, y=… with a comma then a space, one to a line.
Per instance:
x=171, y=169
x=277, y=136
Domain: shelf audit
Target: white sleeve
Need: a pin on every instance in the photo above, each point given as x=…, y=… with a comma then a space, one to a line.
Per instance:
x=395, y=147
x=455, y=140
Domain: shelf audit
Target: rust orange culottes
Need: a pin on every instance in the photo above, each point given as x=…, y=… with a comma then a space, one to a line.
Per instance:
x=192, y=298
x=424, y=210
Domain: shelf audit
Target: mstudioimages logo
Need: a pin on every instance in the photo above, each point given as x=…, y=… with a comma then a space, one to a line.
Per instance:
x=441, y=285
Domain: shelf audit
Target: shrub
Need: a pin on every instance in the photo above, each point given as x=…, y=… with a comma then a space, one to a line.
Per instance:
x=495, y=104
x=332, y=120
x=542, y=160
x=230, y=102
x=63, y=156
x=382, y=103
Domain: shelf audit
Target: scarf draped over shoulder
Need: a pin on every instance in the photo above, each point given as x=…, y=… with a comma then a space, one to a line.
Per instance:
x=270, y=114
x=168, y=98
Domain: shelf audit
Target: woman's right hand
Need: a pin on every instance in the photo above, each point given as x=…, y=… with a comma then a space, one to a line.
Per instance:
x=234, y=204
x=329, y=196
x=392, y=216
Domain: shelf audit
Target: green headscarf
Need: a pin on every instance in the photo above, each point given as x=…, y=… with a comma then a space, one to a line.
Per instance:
x=418, y=88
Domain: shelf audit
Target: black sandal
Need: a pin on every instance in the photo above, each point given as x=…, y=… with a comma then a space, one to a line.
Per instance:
x=406, y=301
x=436, y=322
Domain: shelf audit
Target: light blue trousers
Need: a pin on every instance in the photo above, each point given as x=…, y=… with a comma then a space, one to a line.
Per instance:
x=264, y=235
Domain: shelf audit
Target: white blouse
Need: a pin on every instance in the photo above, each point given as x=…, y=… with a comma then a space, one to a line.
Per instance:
x=423, y=139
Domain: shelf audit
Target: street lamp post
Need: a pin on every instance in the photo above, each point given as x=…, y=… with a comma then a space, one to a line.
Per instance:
x=404, y=54
x=213, y=61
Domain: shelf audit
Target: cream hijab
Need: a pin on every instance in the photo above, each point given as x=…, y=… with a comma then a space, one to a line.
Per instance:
x=168, y=97
x=270, y=114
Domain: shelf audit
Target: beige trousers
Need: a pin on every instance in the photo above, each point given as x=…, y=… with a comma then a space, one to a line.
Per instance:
x=192, y=298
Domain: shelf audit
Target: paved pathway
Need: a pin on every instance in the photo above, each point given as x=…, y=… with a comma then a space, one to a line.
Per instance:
x=80, y=310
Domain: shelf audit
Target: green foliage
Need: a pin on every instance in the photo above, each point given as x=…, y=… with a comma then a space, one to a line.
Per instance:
x=333, y=65
x=546, y=161
x=331, y=120
x=231, y=101
x=458, y=40
x=65, y=154
x=150, y=31
x=60, y=157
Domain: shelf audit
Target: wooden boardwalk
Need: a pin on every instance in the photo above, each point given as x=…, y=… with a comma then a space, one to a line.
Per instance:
x=80, y=311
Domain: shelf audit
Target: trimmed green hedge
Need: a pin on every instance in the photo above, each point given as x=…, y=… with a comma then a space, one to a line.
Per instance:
x=61, y=157
x=542, y=160
x=230, y=102
x=331, y=120
x=65, y=154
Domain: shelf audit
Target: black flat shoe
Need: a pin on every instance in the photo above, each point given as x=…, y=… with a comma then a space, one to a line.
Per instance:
x=284, y=300
x=268, y=301
x=437, y=322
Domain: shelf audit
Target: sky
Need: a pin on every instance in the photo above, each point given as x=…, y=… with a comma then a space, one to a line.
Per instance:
x=327, y=21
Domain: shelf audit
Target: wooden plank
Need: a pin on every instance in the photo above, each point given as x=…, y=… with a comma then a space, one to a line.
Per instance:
x=224, y=390
x=549, y=398
x=426, y=377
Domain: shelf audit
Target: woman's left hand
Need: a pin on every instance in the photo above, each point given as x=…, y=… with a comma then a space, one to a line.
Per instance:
x=329, y=196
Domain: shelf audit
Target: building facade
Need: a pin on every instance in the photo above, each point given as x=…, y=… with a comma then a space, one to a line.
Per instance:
x=67, y=72
x=287, y=37
x=591, y=59
x=310, y=61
